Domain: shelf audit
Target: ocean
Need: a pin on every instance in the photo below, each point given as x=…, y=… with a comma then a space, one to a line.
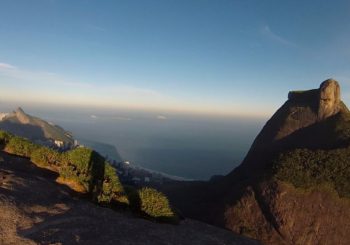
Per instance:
x=188, y=146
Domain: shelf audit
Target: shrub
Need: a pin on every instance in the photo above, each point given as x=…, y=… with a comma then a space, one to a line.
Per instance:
x=112, y=189
x=309, y=168
x=77, y=166
x=4, y=138
x=44, y=156
x=155, y=205
x=20, y=146
x=81, y=159
x=89, y=169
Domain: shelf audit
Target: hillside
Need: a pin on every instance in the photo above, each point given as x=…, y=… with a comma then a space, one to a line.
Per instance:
x=37, y=208
x=293, y=187
x=33, y=128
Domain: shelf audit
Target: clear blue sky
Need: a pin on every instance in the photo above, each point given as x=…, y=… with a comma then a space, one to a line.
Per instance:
x=213, y=56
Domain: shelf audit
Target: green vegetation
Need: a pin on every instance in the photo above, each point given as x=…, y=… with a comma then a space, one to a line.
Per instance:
x=79, y=166
x=155, y=204
x=4, y=138
x=306, y=168
x=20, y=146
x=44, y=156
x=112, y=189
x=311, y=168
x=99, y=179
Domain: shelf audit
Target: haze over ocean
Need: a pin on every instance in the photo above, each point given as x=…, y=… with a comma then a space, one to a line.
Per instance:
x=189, y=146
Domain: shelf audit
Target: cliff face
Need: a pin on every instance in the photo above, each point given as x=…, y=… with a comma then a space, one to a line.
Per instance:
x=300, y=122
x=282, y=195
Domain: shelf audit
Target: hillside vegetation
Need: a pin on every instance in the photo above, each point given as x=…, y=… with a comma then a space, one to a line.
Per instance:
x=307, y=168
x=96, y=177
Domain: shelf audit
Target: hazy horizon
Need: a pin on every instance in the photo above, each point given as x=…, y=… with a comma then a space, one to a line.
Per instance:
x=184, y=145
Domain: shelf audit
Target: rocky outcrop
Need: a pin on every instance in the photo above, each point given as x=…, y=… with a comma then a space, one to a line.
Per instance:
x=303, y=109
x=253, y=201
x=21, y=116
x=329, y=99
x=273, y=211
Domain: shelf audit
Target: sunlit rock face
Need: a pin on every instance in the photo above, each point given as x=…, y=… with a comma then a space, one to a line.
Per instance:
x=329, y=100
x=302, y=110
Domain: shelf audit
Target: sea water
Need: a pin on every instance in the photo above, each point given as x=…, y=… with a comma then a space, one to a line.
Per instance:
x=185, y=145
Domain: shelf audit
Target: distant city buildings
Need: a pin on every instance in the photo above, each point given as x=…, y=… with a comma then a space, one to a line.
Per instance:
x=59, y=143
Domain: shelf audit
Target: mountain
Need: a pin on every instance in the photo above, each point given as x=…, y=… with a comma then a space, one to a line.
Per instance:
x=35, y=129
x=293, y=187
x=35, y=209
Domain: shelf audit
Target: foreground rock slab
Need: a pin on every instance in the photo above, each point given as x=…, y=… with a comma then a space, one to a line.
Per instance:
x=37, y=210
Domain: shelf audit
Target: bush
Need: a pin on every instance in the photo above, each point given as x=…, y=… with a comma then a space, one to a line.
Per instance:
x=44, y=156
x=155, y=205
x=89, y=169
x=4, y=138
x=81, y=159
x=309, y=168
x=112, y=189
x=78, y=166
x=20, y=146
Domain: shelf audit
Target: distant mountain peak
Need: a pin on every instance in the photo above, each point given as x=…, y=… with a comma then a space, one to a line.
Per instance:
x=19, y=110
x=22, y=116
x=20, y=123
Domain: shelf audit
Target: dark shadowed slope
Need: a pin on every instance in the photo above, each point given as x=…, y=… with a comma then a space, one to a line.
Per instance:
x=37, y=210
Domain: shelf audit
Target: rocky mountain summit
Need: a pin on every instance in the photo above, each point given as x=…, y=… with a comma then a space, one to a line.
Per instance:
x=300, y=122
x=38, y=130
x=293, y=187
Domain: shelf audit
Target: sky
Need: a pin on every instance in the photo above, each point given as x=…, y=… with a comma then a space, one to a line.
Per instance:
x=198, y=56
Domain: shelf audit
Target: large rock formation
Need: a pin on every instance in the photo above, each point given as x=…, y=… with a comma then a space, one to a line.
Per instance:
x=293, y=187
x=329, y=99
x=302, y=110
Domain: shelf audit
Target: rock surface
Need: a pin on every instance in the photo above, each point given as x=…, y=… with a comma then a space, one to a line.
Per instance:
x=303, y=109
x=329, y=100
x=37, y=210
